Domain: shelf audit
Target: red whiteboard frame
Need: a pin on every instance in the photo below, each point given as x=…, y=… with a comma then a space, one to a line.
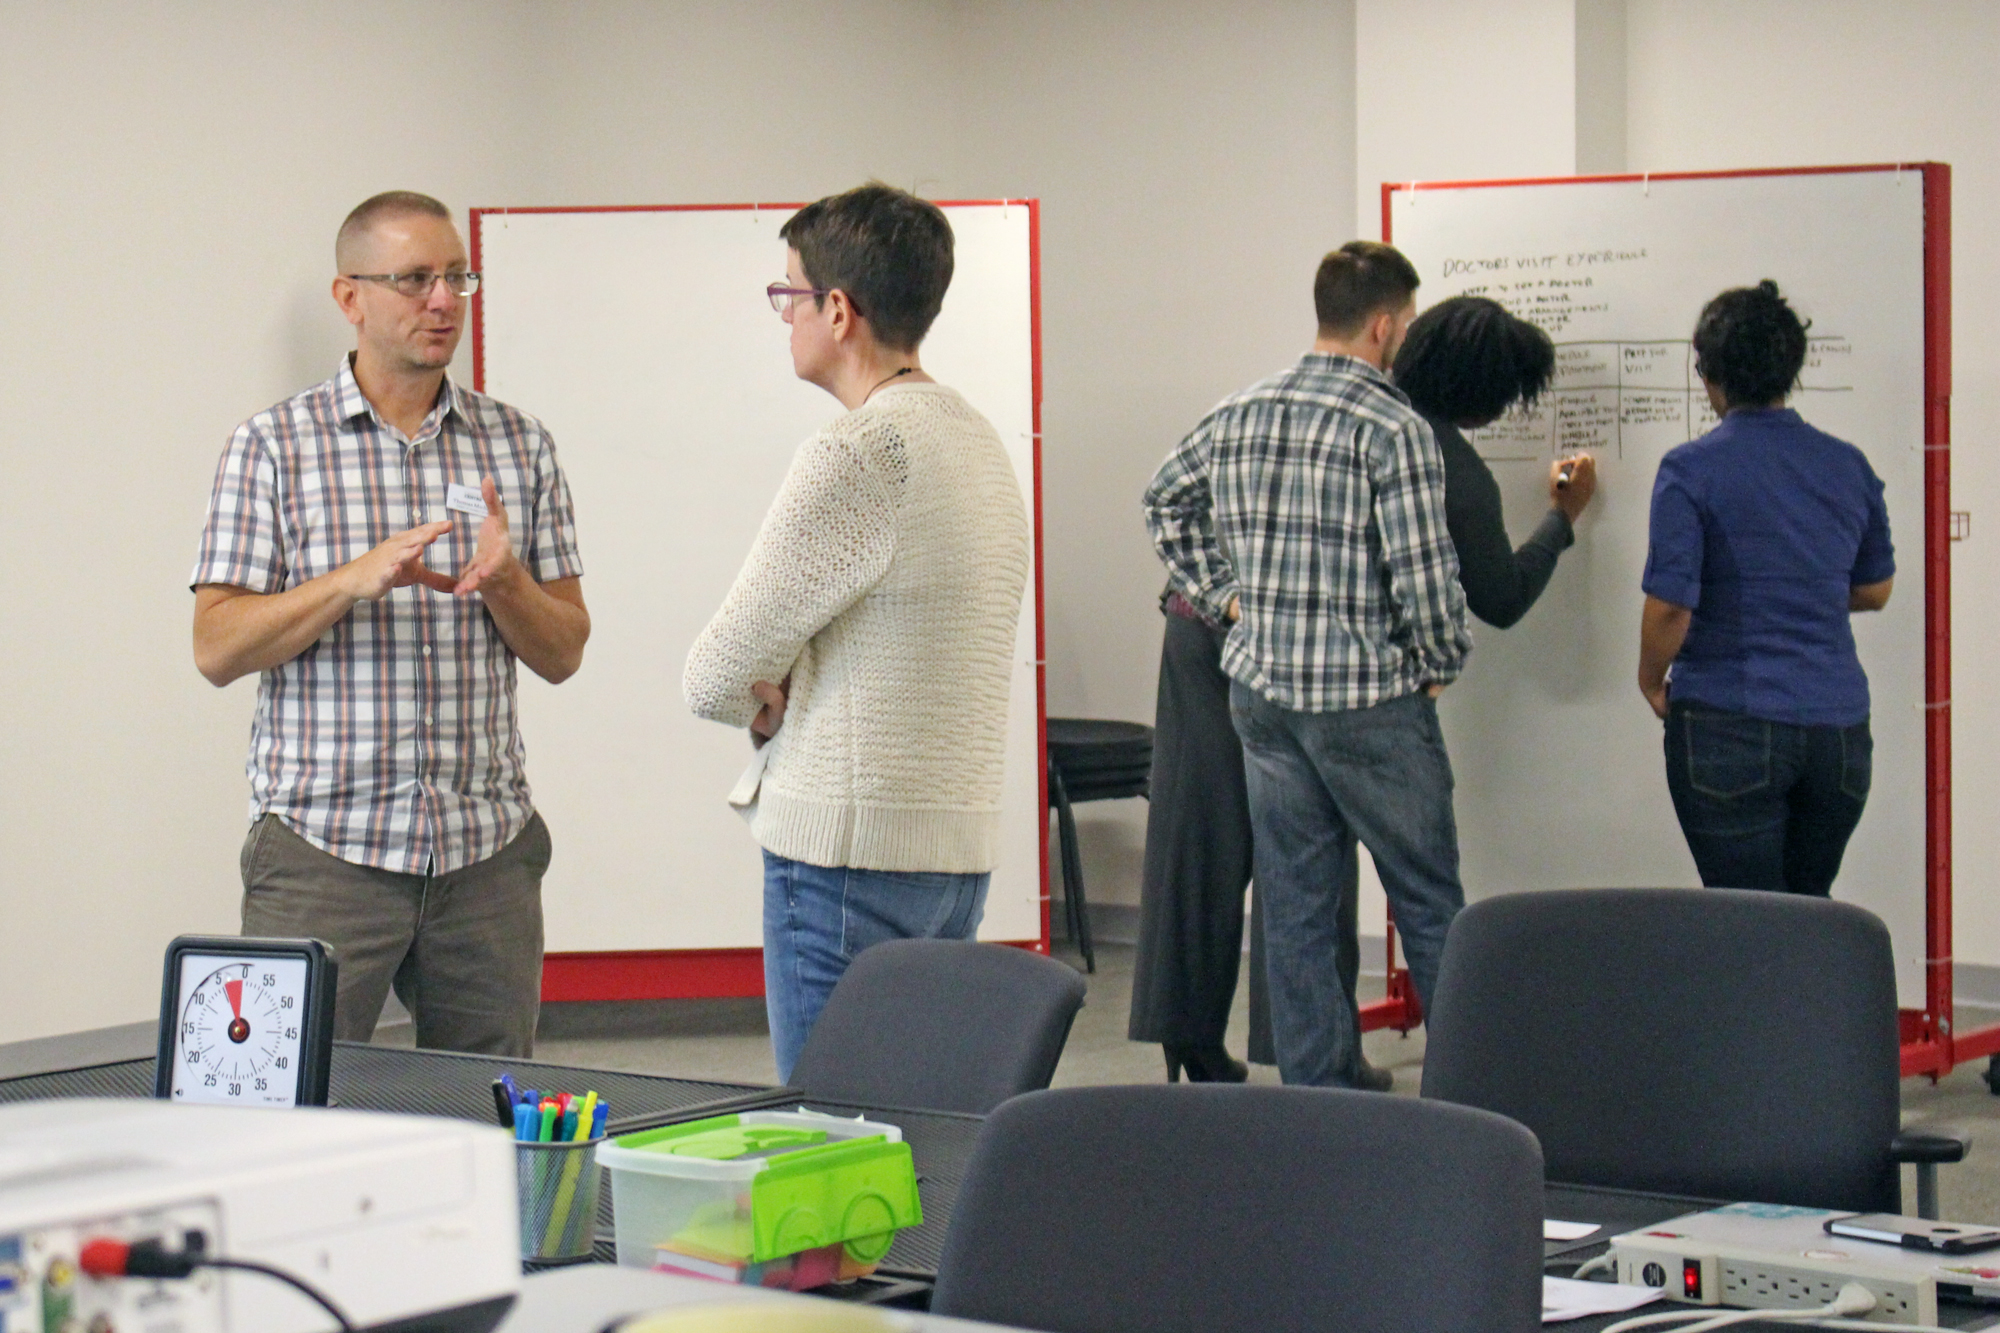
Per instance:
x=1930, y=1043
x=681, y=974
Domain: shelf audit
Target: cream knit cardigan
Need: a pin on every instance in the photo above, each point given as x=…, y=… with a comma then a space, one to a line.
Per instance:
x=886, y=582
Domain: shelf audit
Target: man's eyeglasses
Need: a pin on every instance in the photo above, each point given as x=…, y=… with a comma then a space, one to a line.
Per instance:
x=783, y=296
x=417, y=286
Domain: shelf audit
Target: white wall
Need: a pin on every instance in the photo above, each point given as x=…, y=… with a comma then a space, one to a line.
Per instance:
x=1724, y=83
x=168, y=194
x=170, y=178
x=1194, y=161
x=1461, y=90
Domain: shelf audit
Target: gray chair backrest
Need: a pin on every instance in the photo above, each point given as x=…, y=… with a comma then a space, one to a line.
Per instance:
x=1210, y=1209
x=945, y=1025
x=1714, y=1042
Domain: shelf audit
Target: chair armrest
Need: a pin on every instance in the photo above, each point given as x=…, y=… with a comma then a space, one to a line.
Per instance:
x=1931, y=1144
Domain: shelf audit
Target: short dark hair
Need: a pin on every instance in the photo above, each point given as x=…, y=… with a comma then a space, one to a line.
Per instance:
x=1466, y=360
x=890, y=251
x=1750, y=344
x=390, y=203
x=1359, y=281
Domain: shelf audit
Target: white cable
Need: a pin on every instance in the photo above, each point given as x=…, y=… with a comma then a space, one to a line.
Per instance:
x=1853, y=1299
x=1870, y=1324
x=1648, y=1320
x=1598, y=1265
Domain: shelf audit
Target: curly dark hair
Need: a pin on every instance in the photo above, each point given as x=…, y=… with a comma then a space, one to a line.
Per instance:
x=1750, y=344
x=890, y=251
x=1466, y=360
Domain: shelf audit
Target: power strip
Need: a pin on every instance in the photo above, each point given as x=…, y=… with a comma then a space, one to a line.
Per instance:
x=1704, y=1271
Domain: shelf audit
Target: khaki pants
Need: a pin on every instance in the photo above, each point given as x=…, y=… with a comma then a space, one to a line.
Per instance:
x=463, y=950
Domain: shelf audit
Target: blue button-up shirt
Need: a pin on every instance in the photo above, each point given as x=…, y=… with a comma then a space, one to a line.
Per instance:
x=1761, y=527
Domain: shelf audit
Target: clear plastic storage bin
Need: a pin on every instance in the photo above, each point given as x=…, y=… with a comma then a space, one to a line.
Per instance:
x=744, y=1198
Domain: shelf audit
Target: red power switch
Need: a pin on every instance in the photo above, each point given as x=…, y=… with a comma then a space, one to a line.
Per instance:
x=1691, y=1279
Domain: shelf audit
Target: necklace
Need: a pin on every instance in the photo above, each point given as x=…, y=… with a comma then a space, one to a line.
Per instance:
x=906, y=370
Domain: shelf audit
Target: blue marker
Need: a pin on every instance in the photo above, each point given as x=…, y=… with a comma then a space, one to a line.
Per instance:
x=597, y=1119
x=513, y=1088
x=525, y=1123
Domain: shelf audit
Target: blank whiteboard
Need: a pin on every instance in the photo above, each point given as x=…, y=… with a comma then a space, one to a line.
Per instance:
x=643, y=339
x=1560, y=771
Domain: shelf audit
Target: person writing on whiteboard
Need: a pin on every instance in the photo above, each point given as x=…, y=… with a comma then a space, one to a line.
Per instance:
x=1464, y=363
x=868, y=642
x=391, y=815
x=1766, y=535
x=1308, y=513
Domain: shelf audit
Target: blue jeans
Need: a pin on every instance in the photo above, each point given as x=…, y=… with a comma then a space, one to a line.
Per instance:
x=1318, y=783
x=816, y=918
x=1766, y=805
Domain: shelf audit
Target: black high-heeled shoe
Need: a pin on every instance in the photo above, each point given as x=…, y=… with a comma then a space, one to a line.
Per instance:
x=1204, y=1064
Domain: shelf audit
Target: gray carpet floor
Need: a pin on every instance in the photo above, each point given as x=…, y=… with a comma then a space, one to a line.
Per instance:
x=727, y=1039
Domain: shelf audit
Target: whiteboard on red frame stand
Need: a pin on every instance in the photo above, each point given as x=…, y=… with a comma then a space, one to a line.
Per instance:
x=642, y=338
x=1561, y=778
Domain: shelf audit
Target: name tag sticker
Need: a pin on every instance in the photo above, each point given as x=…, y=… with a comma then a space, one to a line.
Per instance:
x=465, y=499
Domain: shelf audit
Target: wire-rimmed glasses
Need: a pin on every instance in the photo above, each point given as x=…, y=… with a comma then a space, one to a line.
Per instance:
x=417, y=286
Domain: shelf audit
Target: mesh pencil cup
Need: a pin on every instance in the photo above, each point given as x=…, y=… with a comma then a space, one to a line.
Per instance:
x=559, y=1188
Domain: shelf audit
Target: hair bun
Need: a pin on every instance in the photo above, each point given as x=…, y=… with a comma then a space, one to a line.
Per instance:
x=1769, y=288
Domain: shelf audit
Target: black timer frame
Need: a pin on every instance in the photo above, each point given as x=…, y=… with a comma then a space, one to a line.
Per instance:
x=316, y=1023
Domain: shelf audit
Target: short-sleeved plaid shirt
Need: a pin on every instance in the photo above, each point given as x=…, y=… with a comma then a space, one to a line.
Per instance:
x=1317, y=496
x=392, y=742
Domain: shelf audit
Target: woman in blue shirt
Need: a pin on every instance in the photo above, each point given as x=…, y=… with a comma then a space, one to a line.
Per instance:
x=1766, y=535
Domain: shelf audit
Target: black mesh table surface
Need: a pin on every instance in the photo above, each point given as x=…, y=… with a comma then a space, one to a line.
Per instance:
x=389, y=1078
x=1614, y=1211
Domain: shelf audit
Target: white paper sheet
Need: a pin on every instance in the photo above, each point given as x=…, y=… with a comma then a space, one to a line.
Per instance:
x=1553, y=1229
x=1566, y=1298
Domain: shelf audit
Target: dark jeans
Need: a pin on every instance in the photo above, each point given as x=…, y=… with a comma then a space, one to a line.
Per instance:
x=1319, y=782
x=1198, y=860
x=1765, y=805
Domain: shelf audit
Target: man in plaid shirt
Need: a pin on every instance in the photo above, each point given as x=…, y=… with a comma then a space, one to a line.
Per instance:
x=1308, y=512
x=390, y=811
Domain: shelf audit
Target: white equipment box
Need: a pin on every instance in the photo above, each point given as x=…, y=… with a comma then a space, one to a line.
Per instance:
x=1774, y=1257
x=403, y=1221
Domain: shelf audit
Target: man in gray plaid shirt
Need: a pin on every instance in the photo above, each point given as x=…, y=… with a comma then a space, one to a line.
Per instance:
x=1308, y=511
x=389, y=802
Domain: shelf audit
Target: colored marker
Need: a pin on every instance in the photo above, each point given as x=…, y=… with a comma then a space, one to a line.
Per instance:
x=549, y=1114
x=503, y=1103
x=513, y=1089
x=586, y=1115
x=524, y=1123
x=597, y=1119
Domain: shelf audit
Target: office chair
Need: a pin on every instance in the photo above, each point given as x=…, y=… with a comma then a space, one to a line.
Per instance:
x=947, y=1025
x=1216, y=1209
x=1712, y=1042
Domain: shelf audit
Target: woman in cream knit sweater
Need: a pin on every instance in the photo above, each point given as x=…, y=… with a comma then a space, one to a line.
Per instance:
x=868, y=641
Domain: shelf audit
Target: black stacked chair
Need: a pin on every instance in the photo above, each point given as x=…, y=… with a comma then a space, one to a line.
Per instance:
x=1091, y=760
